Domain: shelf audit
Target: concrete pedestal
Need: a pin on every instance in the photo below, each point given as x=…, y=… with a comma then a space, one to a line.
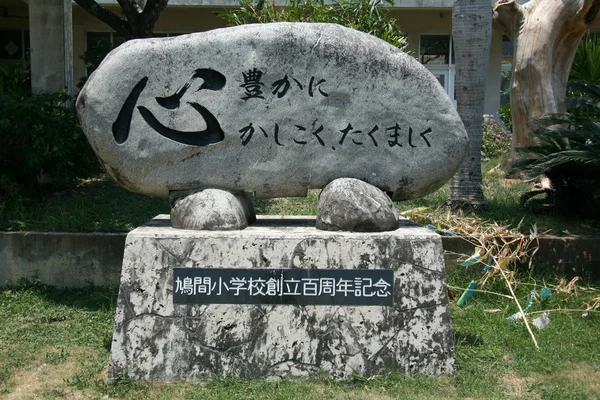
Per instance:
x=155, y=339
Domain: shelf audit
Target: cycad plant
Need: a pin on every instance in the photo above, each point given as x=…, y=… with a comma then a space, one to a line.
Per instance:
x=586, y=65
x=567, y=151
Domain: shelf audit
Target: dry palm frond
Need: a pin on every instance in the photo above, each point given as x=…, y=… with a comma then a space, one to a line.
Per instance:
x=498, y=248
x=570, y=287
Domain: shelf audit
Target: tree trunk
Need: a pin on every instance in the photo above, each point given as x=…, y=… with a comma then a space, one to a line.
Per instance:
x=472, y=34
x=545, y=35
x=140, y=16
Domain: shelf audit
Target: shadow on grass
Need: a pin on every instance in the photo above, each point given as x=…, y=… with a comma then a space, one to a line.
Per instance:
x=467, y=339
x=93, y=205
x=91, y=298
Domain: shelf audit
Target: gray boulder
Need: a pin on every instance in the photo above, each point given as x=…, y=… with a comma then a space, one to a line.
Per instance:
x=348, y=204
x=274, y=109
x=211, y=210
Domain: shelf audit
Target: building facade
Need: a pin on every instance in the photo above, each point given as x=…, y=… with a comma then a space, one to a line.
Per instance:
x=58, y=32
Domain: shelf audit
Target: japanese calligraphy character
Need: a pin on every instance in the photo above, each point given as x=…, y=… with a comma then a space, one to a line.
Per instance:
x=273, y=287
x=410, y=137
x=252, y=84
x=312, y=85
x=382, y=288
x=291, y=287
x=212, y=80
x=281, y=86
x=222, y=284
x=316, y=132
x=256, y=287
x=327, y=286
x=396, y=128
x=344, y=286
x=300, y=128
x=247, y=133
x=203, y=285
x=345, y=131
x=237, y=285
x=367, y=283
x=310, y=286
x=370, y=134
x=184, y=287
x=276, y=134
x=422, y=134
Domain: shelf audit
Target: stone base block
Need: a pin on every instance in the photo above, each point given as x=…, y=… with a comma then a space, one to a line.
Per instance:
x=155, y=339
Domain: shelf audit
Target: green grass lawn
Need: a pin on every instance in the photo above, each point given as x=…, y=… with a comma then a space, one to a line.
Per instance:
x=54, y=343
x=100, y=205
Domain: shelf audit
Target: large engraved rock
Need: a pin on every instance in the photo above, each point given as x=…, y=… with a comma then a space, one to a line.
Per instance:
x=273, y=108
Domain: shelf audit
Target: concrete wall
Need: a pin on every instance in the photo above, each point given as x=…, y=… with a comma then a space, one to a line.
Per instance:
x=61, y=259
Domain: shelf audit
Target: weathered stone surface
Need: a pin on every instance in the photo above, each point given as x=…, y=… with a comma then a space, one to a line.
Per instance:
x=271, y=108
x=155, y=339
x=212, y=209
x=348, y=204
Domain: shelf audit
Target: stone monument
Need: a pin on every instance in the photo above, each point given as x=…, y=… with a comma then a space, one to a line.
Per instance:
x=276, y=109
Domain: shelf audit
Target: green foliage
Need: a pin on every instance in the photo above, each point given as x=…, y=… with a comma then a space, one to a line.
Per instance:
x=40, y=135
x=496, y=141
x=15, y=79
x=92, y=59
x=586, y=65
x=94, y=205
x=363, y=15
x=567, y=151
x=40, y=138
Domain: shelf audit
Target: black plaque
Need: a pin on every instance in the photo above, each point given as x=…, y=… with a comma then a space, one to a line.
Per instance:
x=357, y=287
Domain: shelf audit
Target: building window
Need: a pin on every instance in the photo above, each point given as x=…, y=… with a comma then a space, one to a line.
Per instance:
x=435, y=49
x=436, y=54
x=14, y=44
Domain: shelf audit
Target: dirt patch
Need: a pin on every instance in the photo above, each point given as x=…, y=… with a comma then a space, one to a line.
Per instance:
x=46, y=376
x=586, y=378
x=518, y=387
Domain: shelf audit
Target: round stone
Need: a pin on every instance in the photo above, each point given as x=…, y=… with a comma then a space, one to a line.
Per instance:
x=348, y=204
x=211, y=209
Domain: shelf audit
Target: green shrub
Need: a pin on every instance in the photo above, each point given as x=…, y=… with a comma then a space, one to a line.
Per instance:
x=15, y=79
x=586, y=65
x=92, y=59
x=364, y=15
x=496, y=141
x=567, y=151
x=40, y=139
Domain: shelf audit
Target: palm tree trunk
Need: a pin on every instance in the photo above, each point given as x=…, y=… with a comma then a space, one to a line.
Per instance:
x=472, y=34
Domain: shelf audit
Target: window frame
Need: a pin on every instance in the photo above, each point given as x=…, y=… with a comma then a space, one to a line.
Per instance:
x=448, y=70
